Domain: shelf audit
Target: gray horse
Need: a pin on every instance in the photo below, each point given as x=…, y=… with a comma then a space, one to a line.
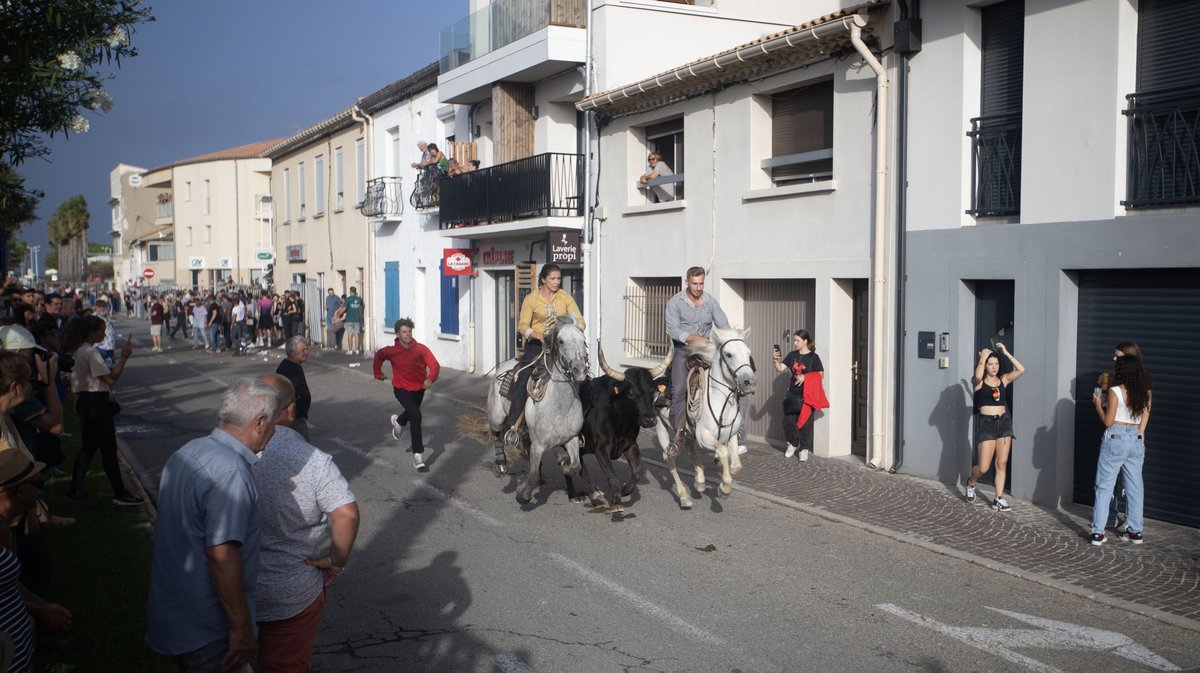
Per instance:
x=554, y=420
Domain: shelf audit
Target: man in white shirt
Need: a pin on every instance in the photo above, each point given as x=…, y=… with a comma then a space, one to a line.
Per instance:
x=657, y=168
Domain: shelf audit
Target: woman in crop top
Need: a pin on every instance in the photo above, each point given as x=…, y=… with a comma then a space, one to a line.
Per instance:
x=994, y=427
x=1122, y=449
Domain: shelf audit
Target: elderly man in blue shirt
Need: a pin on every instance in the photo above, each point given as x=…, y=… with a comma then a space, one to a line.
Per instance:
x=690, y=315
x=206, y=544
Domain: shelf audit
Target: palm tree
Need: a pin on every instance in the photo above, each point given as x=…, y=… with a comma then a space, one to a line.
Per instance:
x=68, y=233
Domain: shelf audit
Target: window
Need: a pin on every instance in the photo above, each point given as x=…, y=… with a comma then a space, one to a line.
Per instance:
x=666, y=140
x=208, y=233
x=801, y=134
x=449, y=295
x=189, y=236
x=391, y=293
x=187, y=191
x=300, y=187
x=208, y=197
x=1164, y=114
x=160, y=252
x=319, y=179
x=339, y=180
x=645, y=308
x=287, y=197
x=996, y=132
x=360, y=154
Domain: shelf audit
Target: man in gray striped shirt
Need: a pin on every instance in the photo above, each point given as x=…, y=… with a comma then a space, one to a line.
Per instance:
x=690, y=315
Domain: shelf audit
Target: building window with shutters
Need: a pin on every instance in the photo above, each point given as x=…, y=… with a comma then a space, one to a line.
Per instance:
x=449, y=302
x=645, y=315
x=663, y=181
x=319, y=184
x=996, y=133
x=300, y=188
x=391, y=294
x=801, y=135
x=1163, y=116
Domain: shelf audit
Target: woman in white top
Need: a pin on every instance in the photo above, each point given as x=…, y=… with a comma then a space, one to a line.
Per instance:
x=92, y=381
x=1122, y=449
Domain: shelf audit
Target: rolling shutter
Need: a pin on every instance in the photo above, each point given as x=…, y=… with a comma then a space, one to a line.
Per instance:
x=1160, y=310
x=1003, y=57
x=1168, y=53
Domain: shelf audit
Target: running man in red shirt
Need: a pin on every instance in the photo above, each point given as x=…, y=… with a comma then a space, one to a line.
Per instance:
x=414, y=369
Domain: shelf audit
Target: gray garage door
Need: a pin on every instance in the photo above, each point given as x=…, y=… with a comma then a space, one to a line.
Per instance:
x=1160, y=310
x=773, y=307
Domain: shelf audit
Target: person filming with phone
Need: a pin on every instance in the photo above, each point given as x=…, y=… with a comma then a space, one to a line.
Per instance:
x=805, y=394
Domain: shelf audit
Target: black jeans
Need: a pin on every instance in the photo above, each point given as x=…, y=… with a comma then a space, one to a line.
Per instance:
x=411, y=401
x=801, y=438
x=519, y=393
x=99, y=432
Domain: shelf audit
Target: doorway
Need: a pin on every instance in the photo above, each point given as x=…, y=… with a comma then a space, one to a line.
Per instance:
x=506, y=315
x=860, y=367
x=994, y=313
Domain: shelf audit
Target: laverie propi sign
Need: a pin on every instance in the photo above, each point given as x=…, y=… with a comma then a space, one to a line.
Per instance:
x=562, y=247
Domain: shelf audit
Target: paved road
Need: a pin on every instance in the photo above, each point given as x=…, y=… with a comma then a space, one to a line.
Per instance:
x=450, y=574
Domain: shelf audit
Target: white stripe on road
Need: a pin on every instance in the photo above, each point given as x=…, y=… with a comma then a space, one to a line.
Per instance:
x=509, y=663
x=643, y=604
x=350, y=447
x=460, y=504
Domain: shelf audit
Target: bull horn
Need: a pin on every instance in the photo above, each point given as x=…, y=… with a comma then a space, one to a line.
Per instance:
x=666, y=362
x=616, y=375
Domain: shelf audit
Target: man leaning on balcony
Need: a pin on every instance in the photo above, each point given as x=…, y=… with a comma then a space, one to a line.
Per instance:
x=657, y=168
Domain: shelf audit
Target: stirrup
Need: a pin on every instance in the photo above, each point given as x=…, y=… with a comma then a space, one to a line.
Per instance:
x=512, y=437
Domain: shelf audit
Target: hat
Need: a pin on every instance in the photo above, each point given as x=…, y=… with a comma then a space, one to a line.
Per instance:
x=15, y=337
x=16, y=466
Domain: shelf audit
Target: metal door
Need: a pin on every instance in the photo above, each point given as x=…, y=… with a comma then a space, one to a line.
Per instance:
x=994, y=313
x=506, y=315
x=774, y=309
x=859, y=367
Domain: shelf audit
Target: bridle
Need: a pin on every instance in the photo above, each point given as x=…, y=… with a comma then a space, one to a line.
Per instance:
x=733, y=396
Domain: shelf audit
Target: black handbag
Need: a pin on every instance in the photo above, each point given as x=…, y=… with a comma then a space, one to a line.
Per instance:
x=792, y=404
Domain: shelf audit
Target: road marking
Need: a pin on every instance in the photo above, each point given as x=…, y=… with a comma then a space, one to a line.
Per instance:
x=460, y=504
x=350, y=447
x=643, y=604
x=1052, y=635
x=217, y=381
x=509, y=663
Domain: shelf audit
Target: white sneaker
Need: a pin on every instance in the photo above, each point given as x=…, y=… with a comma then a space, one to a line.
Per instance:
x=419, y=461
x=397, y=429
x=791, y=451
x=803, y=455
x=742, y=450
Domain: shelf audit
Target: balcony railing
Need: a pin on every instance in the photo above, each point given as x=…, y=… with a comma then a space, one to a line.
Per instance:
x=384, y=198
x=996, y=165
x=543, y=185
x=1164, y=148
x=163, y=210
x=503, y=22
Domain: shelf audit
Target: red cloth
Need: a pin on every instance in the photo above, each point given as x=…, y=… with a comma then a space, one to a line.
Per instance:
x=286, y=646
x=814, y=398
x=408, y=365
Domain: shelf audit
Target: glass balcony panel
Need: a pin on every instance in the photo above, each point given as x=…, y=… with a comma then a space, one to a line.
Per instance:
x=500, y=24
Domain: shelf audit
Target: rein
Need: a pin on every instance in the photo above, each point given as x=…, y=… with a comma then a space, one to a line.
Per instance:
x=733, y=395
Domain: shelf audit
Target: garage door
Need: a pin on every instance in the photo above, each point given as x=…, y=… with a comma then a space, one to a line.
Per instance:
x=1160, y=310
x=773, y=307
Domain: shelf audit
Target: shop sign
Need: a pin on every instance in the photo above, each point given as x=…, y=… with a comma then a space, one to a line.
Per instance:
x=195, y=262
x=297, y=253
x=563, y=247
x=456, y=262
x=224, y=262
x=497, y=257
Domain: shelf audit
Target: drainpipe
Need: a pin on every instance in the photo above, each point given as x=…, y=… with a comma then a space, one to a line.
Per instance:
x=369, y=318
x=591, y=247
x=878, y=374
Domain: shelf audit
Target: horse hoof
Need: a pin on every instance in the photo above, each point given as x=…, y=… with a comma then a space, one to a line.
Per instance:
x=579, y=499
x=500, y=469
x=686, y=503
x=627, y=490
x=735, y=469
x=726, y=489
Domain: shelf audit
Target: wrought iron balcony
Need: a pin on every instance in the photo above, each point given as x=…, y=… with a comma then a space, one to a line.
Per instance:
x=543, y=185
x=1164, y=148
x=384, y=199
x=501, y=23
x=996, y=165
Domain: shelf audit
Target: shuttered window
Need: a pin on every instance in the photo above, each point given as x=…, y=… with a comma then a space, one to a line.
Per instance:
x=802, y=134
x=391, y=293
x=996, y=132
x=1160, y=310
x=1168, y=53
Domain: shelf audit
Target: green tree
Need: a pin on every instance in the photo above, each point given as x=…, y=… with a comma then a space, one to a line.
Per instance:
x=51, y=260
x=67, y=230
x=52, y=71
x=17, y=249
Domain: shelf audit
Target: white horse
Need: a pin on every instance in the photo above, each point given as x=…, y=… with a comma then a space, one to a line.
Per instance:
x=554, y=420
x=713, y=415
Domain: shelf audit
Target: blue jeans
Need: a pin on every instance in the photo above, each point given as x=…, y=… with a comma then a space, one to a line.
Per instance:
x=214, y=336
x=199, y=337
x=1121, y=451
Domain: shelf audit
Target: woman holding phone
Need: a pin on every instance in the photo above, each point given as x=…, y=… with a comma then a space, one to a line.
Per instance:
x=803, y=365
x=994, y=428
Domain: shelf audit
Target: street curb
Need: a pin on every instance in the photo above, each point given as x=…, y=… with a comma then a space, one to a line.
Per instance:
x=1102, y=598
x=132, y=467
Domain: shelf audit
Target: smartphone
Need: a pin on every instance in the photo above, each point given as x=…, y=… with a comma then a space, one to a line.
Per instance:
x=777, y=351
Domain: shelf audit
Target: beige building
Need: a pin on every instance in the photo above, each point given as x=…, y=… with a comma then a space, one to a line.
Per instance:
x=220, y=212
x=143, y=244
x=321, y=238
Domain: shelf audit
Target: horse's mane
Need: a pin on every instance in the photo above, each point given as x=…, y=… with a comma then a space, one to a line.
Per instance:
x=707, y=353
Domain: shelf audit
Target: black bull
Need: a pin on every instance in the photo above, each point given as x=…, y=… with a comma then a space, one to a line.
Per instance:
x=616, y=406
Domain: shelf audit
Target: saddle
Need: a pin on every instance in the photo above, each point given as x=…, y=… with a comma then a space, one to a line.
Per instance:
x=697, y=370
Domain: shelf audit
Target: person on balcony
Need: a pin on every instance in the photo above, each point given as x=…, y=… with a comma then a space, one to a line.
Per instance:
x=657, y=168
x=454, y=168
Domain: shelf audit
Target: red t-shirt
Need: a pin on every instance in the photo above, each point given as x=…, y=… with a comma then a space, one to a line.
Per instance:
x=409, y=365
x=156, y=313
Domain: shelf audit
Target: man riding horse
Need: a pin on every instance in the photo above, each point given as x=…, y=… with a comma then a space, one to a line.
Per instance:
x=690, y=316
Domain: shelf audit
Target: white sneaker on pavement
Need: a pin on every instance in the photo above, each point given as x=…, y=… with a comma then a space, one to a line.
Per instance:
x=419, y=461
x=804, y=455
x=791, y=451
x=397, y=429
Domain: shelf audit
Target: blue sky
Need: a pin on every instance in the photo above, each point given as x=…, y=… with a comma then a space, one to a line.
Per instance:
x=214, y=74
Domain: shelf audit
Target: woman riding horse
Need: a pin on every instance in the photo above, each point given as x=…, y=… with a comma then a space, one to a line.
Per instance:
x=540, y=308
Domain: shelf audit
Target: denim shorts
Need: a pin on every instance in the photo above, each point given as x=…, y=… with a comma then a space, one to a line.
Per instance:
x=994, y=427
